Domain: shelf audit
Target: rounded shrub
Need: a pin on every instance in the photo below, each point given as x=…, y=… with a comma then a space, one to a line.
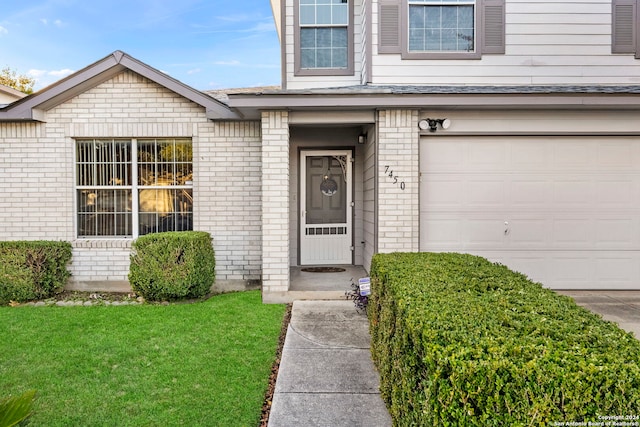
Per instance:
x=32, y=269
x=173, y=265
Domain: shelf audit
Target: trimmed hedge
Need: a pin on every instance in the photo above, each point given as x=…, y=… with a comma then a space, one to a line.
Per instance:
x=172, y=265
x=461, y=341
x=32, y=269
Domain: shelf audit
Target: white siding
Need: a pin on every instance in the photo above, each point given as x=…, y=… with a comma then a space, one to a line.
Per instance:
x=369, y=198
x=303, y=82
x=547, y=42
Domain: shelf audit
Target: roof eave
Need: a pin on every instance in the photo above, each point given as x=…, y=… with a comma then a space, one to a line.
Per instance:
x=249, y=104
x=99, y=72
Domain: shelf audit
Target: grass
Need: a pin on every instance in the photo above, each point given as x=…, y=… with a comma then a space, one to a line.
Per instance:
x=206, y=363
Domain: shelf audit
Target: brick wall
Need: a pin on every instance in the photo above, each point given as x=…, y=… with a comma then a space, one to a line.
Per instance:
x=398, y=208
x=275, y=201
x=37, y=168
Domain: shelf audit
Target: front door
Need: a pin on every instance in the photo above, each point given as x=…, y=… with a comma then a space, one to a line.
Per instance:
x=325, y=207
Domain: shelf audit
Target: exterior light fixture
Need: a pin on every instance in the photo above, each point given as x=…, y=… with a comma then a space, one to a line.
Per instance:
x=362, y=138
x=432, y=124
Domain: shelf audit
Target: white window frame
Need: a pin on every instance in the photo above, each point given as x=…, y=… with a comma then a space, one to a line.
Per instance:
x=134, y=187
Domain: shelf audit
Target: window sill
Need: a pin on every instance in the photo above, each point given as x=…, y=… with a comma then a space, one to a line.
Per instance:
x=324, y=72
x=441, y=55
x=102, y=242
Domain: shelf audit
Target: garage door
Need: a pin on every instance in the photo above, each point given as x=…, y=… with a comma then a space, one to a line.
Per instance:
x=564, y=211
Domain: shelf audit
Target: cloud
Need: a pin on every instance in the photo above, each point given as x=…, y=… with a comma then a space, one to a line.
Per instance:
x=233, y=62
x=55, y=73
x=58, y=23
x=194, y=71
x=263, y=26
x=60, y=73
x=3, y=30
x=47, y=77
x=235, y=18
x=36, y=73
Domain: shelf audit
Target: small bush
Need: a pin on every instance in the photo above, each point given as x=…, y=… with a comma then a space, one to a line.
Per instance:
x=32, y=269
x=172, y=265
x=461, y=341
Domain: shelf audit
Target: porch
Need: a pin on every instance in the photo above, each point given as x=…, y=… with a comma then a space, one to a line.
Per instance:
x=305, y=285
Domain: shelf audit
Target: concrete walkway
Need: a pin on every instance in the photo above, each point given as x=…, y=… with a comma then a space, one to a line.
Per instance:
x=621, y=307
x=326, y=376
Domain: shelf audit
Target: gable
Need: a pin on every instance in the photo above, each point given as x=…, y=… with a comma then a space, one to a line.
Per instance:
x=127, y=97
x=9, y=95
x=35, y=106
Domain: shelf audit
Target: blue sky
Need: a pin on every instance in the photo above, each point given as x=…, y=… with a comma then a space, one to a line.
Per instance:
x=207, y=44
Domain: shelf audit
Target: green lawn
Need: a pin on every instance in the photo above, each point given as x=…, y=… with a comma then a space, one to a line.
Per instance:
x=206, y=363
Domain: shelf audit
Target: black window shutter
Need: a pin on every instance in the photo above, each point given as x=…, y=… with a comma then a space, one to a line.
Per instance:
x=389, y=26
x=493, y=27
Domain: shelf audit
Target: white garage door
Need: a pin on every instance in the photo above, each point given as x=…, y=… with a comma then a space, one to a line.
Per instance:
x=564, y=211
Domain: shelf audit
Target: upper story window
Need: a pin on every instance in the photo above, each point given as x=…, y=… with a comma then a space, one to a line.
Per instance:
x=131, y=187
x=442, y=25
x=441, y=29
x=324, y=37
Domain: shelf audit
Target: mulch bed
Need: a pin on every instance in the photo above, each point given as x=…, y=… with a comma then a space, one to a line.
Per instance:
x=268, y=398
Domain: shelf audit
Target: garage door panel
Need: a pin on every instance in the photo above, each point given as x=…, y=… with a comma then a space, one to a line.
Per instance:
x=573, y=233
x=616, y=193
x=443, y=192
x=441, y=233
x=617, y=269
x=573, y=193
x=483, y=234
x=483, y=192
x=527, y=233
x=530, y=193
x=571, y=267
x=443, y=157
x=488, y=156
x=574, y=155
x=530, y=157
x=563, y=211
x=619, y=155
x=618, y=233
x=534, y=266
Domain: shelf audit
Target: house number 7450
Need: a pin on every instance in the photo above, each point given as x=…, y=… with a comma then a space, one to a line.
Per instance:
x=396, y=179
